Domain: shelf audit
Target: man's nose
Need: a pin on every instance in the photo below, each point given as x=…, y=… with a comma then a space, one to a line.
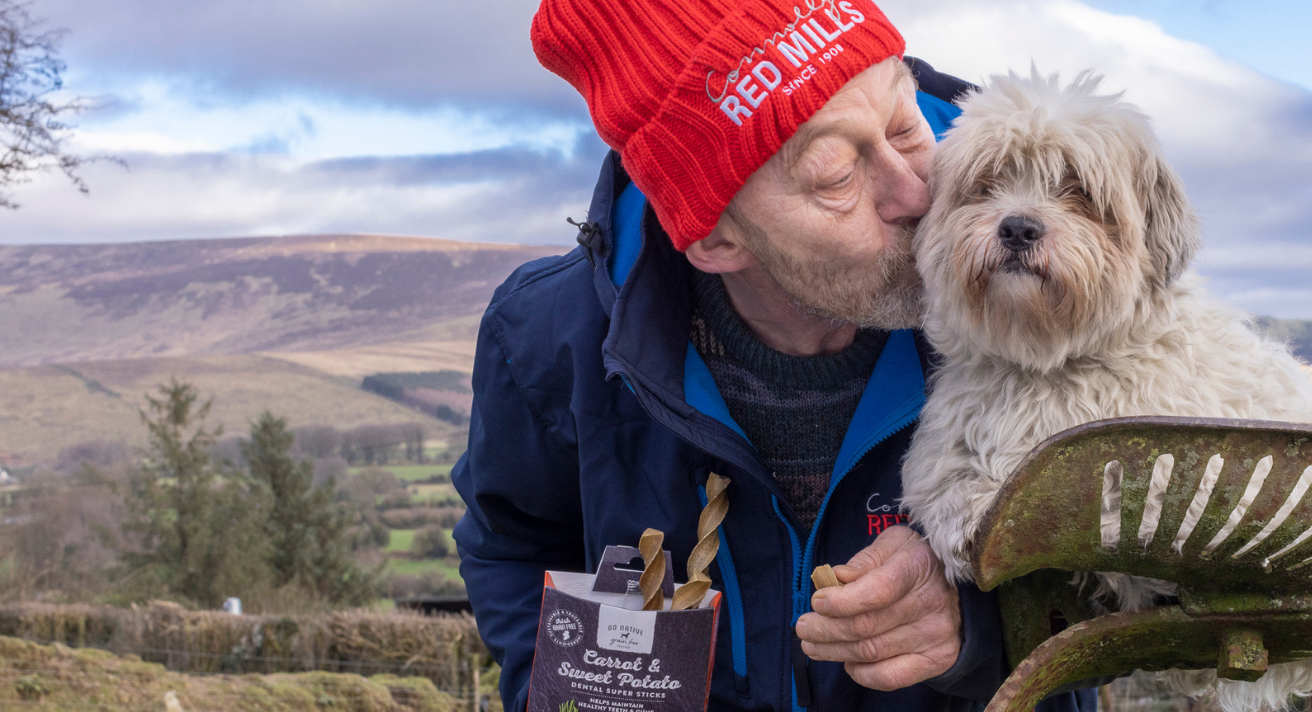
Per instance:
x=904, y=197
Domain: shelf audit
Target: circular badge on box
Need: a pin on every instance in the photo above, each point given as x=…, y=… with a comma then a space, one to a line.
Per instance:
x=564, y=628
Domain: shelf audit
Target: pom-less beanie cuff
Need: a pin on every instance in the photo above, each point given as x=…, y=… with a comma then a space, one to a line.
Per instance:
x=696, y=95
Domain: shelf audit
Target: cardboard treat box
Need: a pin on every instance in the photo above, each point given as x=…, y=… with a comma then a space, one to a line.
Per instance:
x=598, y=650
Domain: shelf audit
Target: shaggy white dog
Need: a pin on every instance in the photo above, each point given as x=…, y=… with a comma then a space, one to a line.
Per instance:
x=1054, y=260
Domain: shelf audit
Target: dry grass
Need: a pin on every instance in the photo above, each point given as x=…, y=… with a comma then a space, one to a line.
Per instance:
x=46, y=408
x=419, y=356
x=439, y=648
x=56, y=677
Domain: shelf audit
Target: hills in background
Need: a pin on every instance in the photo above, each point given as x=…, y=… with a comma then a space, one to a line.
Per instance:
x=288, y=323
x=1295, y=332
x=293, y=324
x=209, y=297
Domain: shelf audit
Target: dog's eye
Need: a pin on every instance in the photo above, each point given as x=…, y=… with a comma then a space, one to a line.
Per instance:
x=1073, y=187
x=980, y=190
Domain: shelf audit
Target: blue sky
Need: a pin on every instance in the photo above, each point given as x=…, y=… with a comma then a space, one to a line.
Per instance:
x=260, y=117
x=1271, y=36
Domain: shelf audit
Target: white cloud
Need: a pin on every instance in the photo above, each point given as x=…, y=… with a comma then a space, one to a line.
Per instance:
x=512, y=195
x=1206, y=109
x=161, y=117
x=415, y=53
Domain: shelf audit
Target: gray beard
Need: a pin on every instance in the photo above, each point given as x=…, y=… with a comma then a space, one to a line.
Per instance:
x=887, y=295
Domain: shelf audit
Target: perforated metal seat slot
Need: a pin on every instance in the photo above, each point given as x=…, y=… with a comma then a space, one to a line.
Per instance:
x=1250, y=493
x=1199, y=503
x=1152, y=506
x=1111, y=504
x=1295, y=496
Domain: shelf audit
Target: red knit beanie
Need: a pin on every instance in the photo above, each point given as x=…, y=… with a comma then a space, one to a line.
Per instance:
x=698, y=94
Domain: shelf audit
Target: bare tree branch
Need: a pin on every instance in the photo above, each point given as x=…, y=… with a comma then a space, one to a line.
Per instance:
x=33, y=132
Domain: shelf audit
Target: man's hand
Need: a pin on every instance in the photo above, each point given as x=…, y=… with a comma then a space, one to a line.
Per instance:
x=895, y=622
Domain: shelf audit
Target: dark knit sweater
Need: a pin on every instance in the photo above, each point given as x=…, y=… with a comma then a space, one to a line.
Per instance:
x=795, y=410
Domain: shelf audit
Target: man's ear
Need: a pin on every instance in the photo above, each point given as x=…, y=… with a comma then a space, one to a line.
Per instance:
x=721, y=252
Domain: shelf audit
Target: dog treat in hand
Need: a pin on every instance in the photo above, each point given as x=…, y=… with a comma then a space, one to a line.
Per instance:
x=653, y=570
x=708, y=544
x=824, y=577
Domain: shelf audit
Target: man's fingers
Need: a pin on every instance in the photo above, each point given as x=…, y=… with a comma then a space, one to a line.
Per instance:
x=915, y=635
x=877, y=588
x=902, y=671
x=872, y=557
x=919, y=603
x=895, y=621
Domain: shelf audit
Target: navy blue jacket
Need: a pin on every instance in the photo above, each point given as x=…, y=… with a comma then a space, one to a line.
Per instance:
x=594, y=418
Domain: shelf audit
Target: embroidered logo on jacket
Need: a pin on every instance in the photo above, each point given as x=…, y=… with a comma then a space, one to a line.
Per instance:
x=881, y=515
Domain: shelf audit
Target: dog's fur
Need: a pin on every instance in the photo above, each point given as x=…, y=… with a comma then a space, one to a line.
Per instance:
x=1097, y=319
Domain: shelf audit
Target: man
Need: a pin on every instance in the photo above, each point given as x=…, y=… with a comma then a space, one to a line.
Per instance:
x=742, y=303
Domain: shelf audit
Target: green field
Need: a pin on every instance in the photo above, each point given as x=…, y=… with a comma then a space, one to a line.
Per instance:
x=431, y=493
x=414, y=567
x=402, y=540
x=410, y=473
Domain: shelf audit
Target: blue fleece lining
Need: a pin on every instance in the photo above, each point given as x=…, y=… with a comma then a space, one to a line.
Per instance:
x=895, y=391
x=940, y=114
x=626, y=228
x=700, y=391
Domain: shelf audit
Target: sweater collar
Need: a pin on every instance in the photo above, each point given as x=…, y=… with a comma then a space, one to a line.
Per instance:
x=725, y=330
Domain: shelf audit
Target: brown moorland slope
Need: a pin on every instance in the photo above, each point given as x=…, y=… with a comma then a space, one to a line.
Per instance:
x=72, y=303
x=44, y=409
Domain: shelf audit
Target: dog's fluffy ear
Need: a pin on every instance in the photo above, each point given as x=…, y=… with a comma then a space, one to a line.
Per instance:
x=1171, y=231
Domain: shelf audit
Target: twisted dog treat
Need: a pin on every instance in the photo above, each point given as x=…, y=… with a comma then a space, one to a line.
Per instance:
x=653, y=570
x=708, y=544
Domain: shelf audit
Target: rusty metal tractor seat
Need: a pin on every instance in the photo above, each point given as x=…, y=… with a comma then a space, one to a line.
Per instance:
x=1226, y=520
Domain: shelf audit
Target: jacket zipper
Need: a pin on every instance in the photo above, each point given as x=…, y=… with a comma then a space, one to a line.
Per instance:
x=798, y=608
x=802, y=563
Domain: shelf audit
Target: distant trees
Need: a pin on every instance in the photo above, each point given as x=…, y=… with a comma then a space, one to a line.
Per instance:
x=32, y=130
x=200, y=529
x=381, y=444
x=425, y=391
x=276, y=518
x=307, y=530
x=195, y=527
x=431, y=543
x=387, y=444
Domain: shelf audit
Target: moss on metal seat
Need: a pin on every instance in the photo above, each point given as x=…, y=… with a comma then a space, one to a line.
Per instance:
x=1233, y=530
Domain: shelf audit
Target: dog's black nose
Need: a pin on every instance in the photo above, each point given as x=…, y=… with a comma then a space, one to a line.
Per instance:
x=1019, y=232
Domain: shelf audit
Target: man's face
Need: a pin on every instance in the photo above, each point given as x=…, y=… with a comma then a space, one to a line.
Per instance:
x=832, y=214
